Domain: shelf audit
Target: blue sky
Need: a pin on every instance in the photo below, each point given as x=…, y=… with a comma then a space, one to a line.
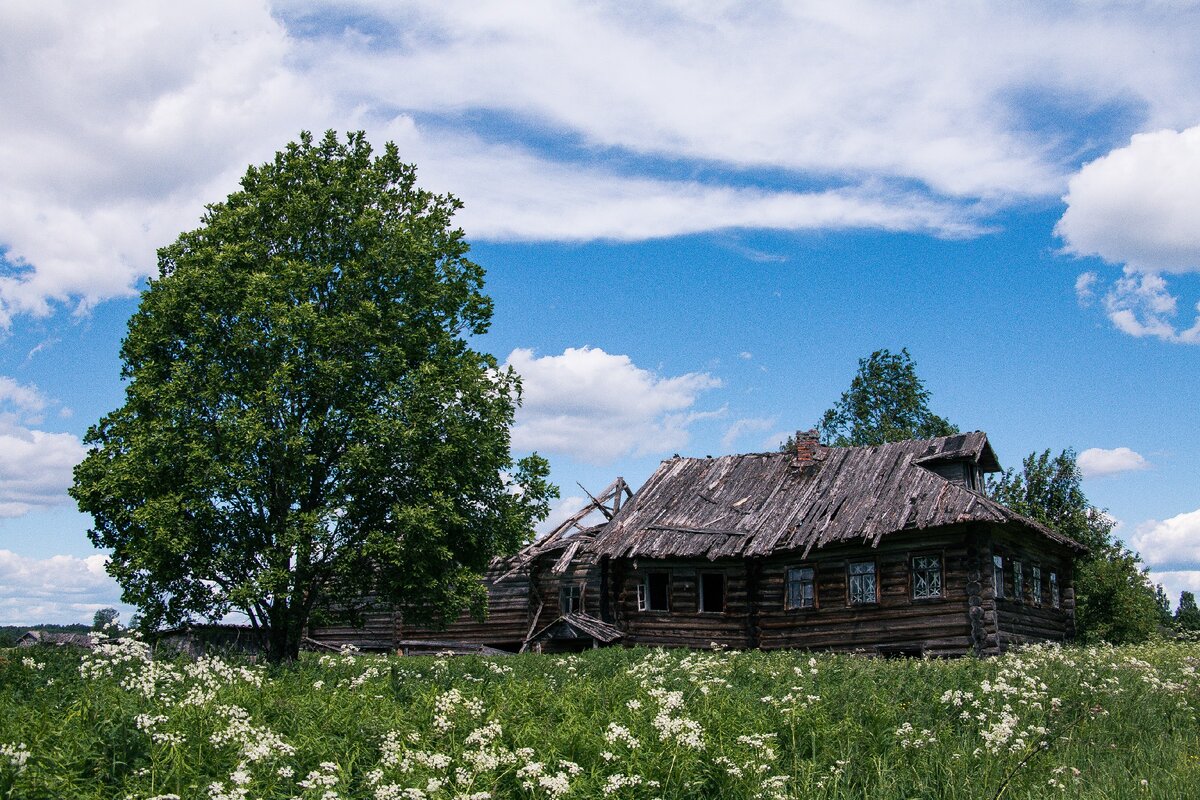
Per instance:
x=695, y=221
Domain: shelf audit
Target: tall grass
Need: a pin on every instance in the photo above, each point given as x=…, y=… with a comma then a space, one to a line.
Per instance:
x=1072, y=722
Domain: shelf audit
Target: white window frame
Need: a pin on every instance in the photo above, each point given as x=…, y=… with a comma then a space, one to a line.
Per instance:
x=1055, y=592
x=1035, y=583
x=1018, y=582
x=856, y=575
x=932, y=565
x=998, y=575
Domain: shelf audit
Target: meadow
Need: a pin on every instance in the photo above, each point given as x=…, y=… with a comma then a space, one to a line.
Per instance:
x=1071, y=722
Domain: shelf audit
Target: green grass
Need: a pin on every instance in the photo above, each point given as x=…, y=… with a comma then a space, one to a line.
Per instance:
x=1045, y=722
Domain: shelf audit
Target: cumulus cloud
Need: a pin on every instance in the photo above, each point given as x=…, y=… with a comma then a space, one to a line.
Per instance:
x=1136, y=206
x=1175, y=581
x=35, y=465
x=562, y=121
x=1096, y=461
x=1173, y=542
x=598, y=407
x=60, y=589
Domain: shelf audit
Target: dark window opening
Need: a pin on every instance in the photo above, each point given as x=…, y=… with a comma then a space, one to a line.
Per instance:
x=654, y=593
x=712, y=592
x=570, y=599
x=801, y=588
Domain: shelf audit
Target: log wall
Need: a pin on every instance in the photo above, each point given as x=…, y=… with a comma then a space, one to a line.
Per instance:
x=1021, y=620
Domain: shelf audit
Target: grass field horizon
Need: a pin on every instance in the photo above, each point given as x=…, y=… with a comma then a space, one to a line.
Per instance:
x=1080, y=722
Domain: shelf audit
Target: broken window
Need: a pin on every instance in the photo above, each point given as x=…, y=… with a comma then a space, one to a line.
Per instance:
x=712, y=592
x=801, y=588
x=926, y=577
x=862, y=583
x=570, y=600
x=654, y=592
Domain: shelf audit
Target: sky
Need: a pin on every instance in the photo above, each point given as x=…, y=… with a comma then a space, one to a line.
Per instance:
x=695, y=219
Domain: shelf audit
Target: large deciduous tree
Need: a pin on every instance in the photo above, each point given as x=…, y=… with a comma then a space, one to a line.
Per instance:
x=305, y=426
x=1114, y=599
x=886, y=402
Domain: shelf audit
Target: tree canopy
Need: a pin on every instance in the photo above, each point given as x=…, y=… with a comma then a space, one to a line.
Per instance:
x=1114, y=599
x=886, y=402
x=305, y=426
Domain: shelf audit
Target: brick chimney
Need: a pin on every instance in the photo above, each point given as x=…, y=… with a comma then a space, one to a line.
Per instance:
x=807, y=448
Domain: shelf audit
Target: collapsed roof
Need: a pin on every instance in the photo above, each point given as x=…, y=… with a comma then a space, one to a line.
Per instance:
x=765, y=503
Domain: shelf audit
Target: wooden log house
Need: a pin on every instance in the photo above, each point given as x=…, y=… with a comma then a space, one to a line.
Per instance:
x=893, y=549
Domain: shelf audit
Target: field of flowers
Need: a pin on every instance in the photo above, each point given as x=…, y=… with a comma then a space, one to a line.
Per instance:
x=1044, y=722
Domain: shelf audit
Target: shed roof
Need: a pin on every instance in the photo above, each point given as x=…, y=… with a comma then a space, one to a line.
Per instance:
x=764, y=503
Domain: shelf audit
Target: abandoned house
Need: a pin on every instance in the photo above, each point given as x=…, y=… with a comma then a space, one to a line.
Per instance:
x=892, y=549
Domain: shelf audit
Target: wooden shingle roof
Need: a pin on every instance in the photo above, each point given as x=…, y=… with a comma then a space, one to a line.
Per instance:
x=764, y=503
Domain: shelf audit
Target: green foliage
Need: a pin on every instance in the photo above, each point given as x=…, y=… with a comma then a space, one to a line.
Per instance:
x=886, y=402
x=104, y=618
x=1114, y=599
x=304, y=423
x=1096, y=722
x=1187, y=616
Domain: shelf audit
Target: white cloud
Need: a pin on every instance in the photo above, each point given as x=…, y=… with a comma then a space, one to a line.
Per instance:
x=130, y=115
x=1173, y=542
x=1176, y=581
x=743, y=427
x=60, y=589
x=126, y=119
x=1137, y=205
x=599, y=407
x=35, y=466
x=1096, y=461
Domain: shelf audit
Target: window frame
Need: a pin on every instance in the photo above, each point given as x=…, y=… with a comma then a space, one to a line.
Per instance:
x=572, y=594
x=998, y=575
x=851, y=575
x=645, y=595
x=701, y=592
x=1055, y=590
x=1035, y=583
x=940, y=563
x=1018, y=581
x=787, y=582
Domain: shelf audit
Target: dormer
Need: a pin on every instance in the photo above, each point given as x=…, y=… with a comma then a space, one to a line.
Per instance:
x=962, y=459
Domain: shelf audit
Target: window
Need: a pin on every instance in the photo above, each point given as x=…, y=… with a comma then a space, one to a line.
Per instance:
x=926, y=577
x=998, y=574
x=862, y=583
x=712, y=592
x=569, y=600
x=1018, y=582
x=1054, y=598
x=801, y=588
x=1036, y=583
x=654, y=592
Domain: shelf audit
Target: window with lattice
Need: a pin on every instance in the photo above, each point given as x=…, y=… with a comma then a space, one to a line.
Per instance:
x=926, y=577
x=863, y=581
x=1035, y=583
x=1018, y=581
x=570, y=599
